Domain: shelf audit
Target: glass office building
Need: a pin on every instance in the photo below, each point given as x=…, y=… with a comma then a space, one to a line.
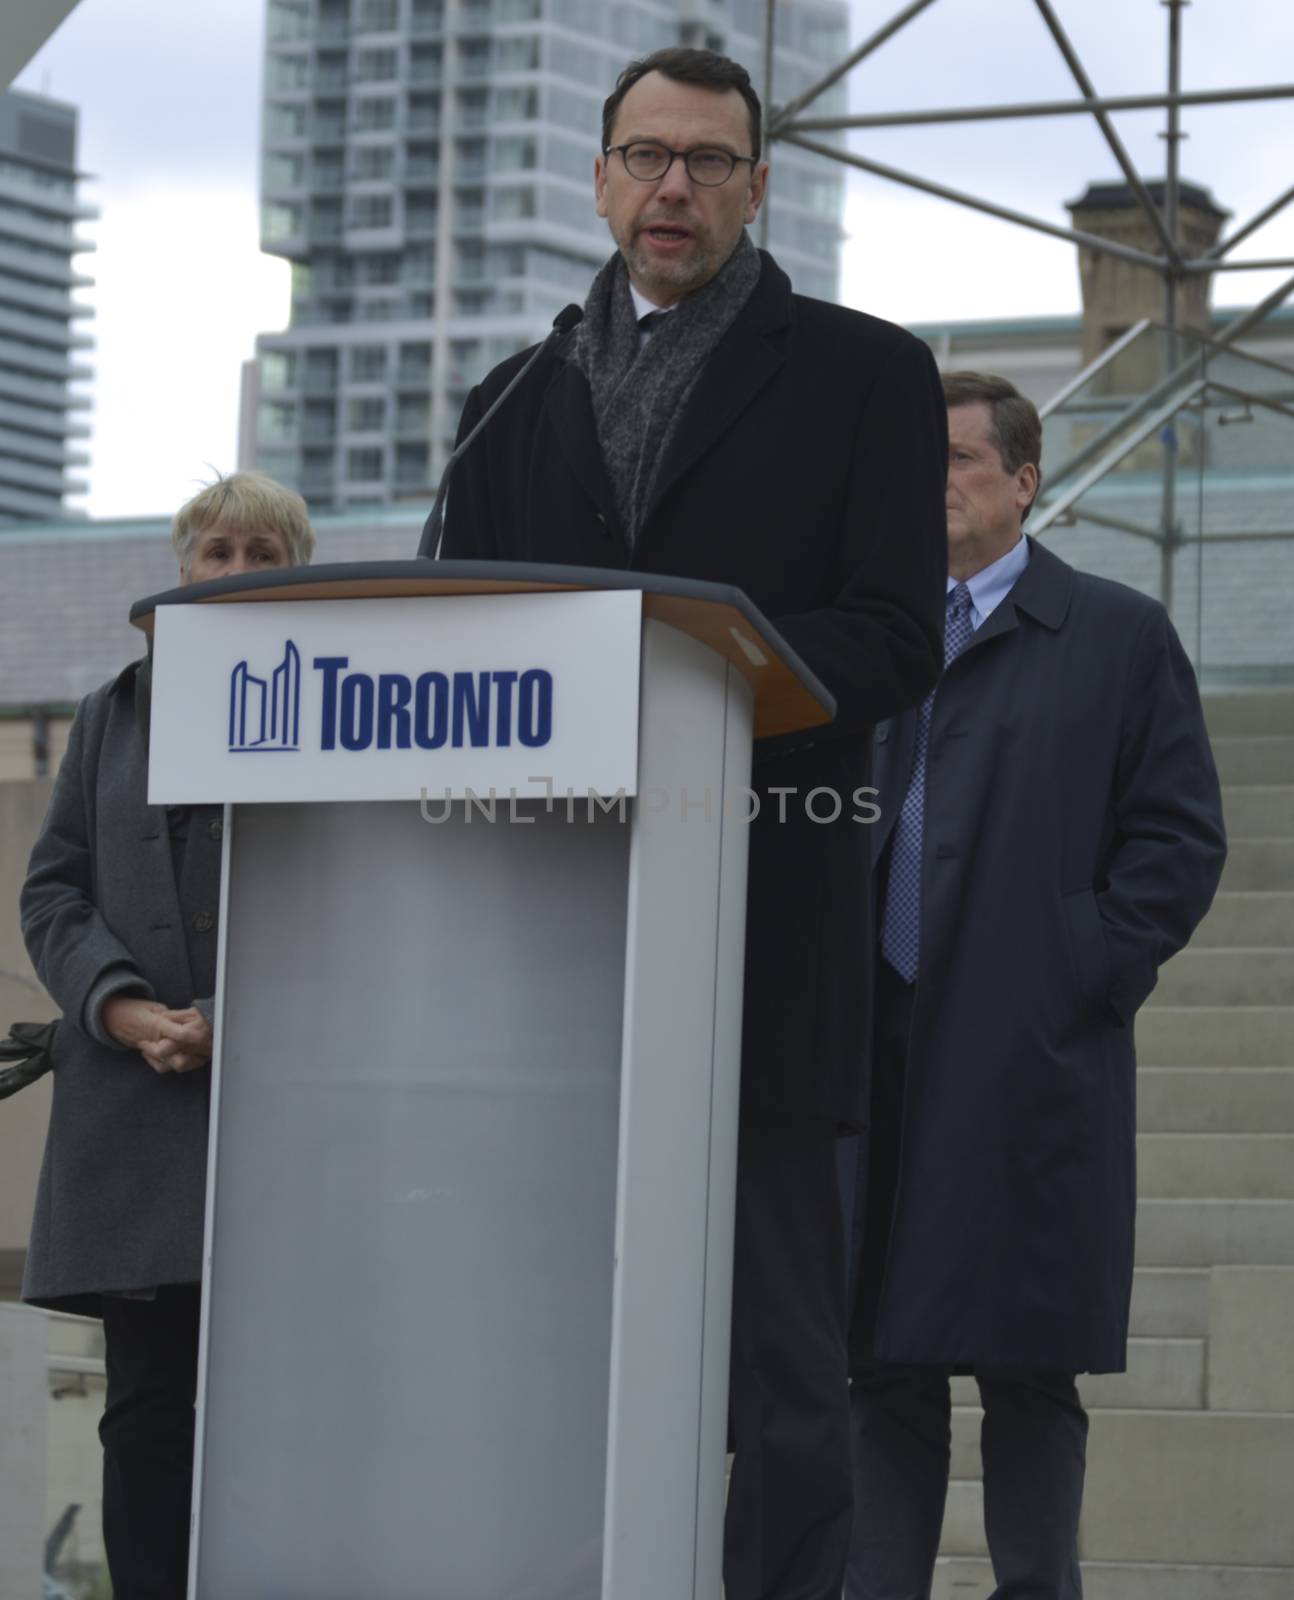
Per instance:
x=428, y=173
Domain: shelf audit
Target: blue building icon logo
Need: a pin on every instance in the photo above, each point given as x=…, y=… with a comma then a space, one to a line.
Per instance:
x=266, y=715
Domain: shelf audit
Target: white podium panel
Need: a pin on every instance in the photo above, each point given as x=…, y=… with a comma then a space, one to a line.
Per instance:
x=410, y=1279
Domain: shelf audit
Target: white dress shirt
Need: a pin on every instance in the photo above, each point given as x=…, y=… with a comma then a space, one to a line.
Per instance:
x=643, y=307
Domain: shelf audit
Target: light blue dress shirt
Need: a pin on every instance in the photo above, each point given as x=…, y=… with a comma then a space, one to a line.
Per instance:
x=990, y=586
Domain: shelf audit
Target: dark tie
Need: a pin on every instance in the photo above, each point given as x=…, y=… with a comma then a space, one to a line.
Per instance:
x=651, y=321
x=901, y=926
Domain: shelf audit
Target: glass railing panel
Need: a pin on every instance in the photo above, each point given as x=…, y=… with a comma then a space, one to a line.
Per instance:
x=1244, y=561
x=1200, y=512
x=1115, y=404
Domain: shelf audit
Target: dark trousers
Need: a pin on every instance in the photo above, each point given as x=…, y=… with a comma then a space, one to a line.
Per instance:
x=786, y=1536
x=1033, y=1441
x=1033, y=1447
x=151, y=1356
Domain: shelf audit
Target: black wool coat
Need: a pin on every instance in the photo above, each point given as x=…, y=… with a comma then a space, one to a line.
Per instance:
x=1073, y=840
x=808, y=469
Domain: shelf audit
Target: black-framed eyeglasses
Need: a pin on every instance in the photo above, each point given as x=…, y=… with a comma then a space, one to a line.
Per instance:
x=706, y=165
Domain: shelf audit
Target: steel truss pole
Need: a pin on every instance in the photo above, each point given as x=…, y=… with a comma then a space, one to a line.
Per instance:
x=770, y=42
x=1203, y=265
x=1130, y=172
x=1170, y=533
x=1090, y=241
x=1040, y=108
x=865, y=49
x=1265, y=215
x=1172, y=266
x=1255, y=314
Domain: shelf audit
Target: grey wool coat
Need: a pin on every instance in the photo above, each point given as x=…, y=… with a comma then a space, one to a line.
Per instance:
x=122, y=1187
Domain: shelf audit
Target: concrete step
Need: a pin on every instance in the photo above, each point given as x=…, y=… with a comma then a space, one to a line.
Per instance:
x=1189, y=1488
x=1215, y=1166
x=1170, y=1303
x=1259, y=864
x=1246, y=760
x=1174, y=1488
x=963, y=1530
x=1250, y=1353
x=1216, y=1036
x=1215, y=1100
x=965, y=1461
x=1249, y=712
x=1250, y=919
x=969, y=1578
x=1259, y=811
x=1197, y=977
x=1207, y=1233
x=79, y=1337
x=1162, y=1375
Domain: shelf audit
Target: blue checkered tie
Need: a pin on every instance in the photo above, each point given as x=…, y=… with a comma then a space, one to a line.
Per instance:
x=901, y=927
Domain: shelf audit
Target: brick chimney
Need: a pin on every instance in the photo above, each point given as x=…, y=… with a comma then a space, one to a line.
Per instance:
x=1117, y=293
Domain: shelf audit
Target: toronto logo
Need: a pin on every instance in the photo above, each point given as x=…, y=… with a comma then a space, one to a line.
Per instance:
x=265, y=714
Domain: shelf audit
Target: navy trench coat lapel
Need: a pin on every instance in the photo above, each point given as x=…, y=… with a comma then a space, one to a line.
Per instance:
x=1043, y=592
x=893, y=749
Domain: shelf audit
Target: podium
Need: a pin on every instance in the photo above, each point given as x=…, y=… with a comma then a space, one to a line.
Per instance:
x=474, y=1103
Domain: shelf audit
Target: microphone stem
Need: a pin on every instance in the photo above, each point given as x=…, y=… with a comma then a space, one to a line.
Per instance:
x=433, y=528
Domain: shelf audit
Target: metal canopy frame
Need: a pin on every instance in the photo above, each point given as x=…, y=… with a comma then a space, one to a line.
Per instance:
x=789, y=124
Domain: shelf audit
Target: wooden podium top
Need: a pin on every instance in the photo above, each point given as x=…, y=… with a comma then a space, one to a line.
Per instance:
x=787, y=696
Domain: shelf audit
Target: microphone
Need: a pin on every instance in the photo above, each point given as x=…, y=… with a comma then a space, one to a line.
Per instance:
x=433, y=529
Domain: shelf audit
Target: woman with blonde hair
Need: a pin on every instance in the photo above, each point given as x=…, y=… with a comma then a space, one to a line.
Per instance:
x=119, y=913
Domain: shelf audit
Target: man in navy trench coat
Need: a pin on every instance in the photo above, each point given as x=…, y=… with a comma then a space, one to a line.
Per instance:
x=1051, y=832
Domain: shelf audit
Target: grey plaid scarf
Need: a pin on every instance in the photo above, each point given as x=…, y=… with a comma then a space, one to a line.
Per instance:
x=639, y=398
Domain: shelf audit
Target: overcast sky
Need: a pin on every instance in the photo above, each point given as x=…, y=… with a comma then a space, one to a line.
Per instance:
x=169, y=96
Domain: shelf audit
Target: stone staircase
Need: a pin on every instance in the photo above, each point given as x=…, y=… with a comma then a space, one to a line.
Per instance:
x=1190, y=1488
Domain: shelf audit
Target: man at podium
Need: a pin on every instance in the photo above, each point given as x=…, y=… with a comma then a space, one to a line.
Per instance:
x=704, y=421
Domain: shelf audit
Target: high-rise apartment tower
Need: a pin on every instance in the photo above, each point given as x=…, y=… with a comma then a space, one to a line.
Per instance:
x=39, y=210
x=428, y=171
